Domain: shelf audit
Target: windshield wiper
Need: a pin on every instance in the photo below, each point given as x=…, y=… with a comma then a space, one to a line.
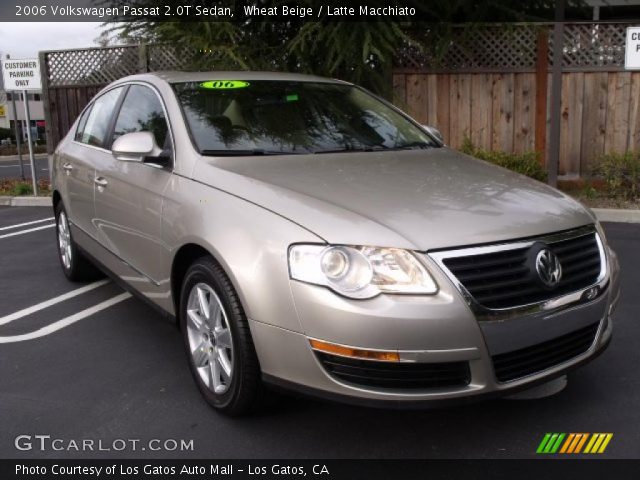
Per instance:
x=411, y=145
x=246, y=153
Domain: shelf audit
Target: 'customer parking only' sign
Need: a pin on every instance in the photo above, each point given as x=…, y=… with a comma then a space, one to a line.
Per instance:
x=21, y=74
x=632, y=50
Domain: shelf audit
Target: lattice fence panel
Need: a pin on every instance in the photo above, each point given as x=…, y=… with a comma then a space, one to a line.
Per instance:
x=475, y=48
x=592, y=45
x=169, y=57
x=513, y=48
x=94, y=66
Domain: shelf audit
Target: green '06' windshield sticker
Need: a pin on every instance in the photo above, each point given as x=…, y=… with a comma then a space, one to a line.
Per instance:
x=224, y=84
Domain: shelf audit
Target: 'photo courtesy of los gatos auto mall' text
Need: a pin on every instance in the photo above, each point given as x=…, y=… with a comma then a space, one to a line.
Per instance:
x=323, y=239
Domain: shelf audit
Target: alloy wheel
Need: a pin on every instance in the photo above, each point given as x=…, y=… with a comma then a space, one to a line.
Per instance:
x=209, y=335
x=64, y=240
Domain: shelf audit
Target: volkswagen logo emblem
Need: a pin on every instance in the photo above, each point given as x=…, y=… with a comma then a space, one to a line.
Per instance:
x=548, y=268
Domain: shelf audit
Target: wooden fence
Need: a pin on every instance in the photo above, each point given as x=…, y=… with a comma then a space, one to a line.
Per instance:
x=496, y=111
x=492, y=86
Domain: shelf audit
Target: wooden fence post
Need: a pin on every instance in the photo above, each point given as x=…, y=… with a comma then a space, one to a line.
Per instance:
x=556, y=95
x=542, y=69
x=48, y=118
x=143, y=58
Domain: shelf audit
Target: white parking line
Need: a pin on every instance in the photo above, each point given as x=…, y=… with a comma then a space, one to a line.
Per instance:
x=52, y=301
x=13, y=234
x=17, y=225
x=65, y=322
x=9, y=166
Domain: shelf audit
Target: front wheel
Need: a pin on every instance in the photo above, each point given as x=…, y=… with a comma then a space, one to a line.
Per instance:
x=217, y=339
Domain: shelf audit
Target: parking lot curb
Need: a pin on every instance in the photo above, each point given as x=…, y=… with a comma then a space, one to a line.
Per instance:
x=617, y=215
x=26, y=201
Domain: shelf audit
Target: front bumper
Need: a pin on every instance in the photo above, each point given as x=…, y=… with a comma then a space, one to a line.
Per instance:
x=423, y=330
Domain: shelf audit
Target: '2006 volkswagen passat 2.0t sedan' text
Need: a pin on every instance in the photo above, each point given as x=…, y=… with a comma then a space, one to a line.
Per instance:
x=308, y=234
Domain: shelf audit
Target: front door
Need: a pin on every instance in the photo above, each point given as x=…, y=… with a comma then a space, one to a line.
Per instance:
x=129, y=195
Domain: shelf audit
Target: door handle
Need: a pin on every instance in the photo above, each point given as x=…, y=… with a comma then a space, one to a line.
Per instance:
x=67, y=167
x=100, y=182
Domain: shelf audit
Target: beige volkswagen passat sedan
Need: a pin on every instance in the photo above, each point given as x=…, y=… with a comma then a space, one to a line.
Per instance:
x=308, y=234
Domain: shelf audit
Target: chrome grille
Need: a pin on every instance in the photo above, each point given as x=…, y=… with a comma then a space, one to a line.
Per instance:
x=504, y=276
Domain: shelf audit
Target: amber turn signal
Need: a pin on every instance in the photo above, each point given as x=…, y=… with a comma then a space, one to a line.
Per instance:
x=354, y=352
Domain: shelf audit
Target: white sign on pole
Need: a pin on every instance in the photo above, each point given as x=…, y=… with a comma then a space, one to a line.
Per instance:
x=24, y=74
x=632, y=51
x=21, y=74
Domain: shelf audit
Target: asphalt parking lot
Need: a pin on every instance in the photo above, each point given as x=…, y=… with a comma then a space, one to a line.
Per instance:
x=101, y=365
x=10, y=166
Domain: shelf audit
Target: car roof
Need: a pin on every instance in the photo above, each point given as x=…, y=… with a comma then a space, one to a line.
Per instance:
x=177, y=77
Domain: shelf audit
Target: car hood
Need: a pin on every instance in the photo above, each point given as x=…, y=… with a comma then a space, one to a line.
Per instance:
x=419, y=199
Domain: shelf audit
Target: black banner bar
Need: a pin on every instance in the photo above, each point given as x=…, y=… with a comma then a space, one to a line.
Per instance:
x=531, y=469
x=239, y=11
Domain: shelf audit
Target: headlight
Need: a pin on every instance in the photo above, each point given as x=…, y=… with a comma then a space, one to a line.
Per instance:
x=360, y=272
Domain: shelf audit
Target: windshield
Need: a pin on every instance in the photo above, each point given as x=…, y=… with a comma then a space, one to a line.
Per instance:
x=282, y=117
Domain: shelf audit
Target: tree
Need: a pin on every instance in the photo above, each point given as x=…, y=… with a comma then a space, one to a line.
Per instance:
x=361, y=52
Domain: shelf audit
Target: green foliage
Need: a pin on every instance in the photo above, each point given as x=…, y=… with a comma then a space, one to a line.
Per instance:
x=621, y=174
x=526, y=163
x=590, y=192
x=22, y=189
x=15, y=187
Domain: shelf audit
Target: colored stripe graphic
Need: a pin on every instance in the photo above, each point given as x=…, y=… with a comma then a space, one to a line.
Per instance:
x=581, y=443
x=544, y=441
x=598, y=443
x=556, y=445
x=573, y=443
x=567, y=443
x=550, y=443
x=605, y=443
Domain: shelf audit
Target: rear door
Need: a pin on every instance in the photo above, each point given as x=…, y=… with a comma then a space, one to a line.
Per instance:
x=79, y=161
x=128, y=197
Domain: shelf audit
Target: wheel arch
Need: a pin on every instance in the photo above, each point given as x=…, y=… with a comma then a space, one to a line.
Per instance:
x=184, y=257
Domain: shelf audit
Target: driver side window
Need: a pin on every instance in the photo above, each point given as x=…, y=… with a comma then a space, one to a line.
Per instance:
x=142, y=111
x=94, y=129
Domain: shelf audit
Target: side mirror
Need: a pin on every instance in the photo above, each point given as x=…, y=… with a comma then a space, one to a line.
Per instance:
x=433, y=131
x=135, y=147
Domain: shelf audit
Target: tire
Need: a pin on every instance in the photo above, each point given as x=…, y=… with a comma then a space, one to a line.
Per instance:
x=75, y=265
x=219, y=347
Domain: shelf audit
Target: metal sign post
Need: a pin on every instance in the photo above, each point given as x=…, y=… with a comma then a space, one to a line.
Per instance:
x=34, y=181
x=24, y=74
x=17, y=133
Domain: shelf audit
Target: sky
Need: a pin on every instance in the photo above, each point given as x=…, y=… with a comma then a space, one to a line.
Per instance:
x=25, y=40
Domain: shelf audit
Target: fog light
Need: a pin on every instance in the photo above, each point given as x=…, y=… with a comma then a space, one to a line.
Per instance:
x=343, y=351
